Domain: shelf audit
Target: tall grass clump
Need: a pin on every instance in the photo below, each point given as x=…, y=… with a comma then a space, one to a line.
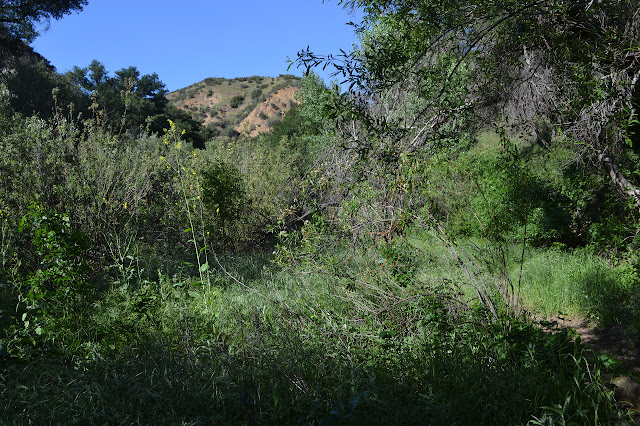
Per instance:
x=571, y=283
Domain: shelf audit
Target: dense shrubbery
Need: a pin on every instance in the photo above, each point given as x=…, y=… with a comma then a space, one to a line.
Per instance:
x=236, y=101
x=364, y=335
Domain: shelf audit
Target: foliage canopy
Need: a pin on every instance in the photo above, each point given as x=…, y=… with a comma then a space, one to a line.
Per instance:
x=512, y=64
x=19, y=17
x=130, y=101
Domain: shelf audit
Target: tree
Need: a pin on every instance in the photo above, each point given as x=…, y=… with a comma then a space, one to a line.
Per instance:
x=134, y=102
x=127, y=98
x=30, y=80
x=19, y=17
x=509, y=63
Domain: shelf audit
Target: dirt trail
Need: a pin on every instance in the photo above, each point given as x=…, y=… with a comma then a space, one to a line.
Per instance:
x=612, y=341
x=604, y=340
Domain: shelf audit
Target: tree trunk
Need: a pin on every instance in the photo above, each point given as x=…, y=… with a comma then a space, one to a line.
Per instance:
x=621, y=182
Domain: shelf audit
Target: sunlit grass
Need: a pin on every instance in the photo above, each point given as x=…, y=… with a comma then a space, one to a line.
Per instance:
x=556, y=282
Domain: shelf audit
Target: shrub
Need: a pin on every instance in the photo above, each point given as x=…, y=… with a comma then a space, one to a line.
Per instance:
x=256, y=93
x=223, y=190
x=236, y=101
x=54, y=291
x=224, y=195
x=272, y=121
x=230, y=132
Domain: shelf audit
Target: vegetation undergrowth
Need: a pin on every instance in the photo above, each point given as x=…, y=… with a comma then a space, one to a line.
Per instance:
x=243, y=340
x=293, y=349
x=576, y=283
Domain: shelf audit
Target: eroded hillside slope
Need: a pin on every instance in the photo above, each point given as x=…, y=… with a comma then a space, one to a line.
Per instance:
x=245, y=105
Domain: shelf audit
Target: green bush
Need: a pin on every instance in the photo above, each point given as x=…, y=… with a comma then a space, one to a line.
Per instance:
x=236, y=101
x=231, y=133
x=256, y=93
x=225, y=197
x=223, y=191
x=53, y=287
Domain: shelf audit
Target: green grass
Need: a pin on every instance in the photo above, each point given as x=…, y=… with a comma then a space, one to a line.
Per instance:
x=551, y=281
x=279, y=347
x=575, y=283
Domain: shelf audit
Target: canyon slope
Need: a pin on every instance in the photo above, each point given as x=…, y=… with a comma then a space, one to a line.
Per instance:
x=240, y=106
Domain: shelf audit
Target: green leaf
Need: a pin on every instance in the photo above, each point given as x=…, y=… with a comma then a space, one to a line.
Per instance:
x=204, y=267
x=193, y=294
x=188, y=230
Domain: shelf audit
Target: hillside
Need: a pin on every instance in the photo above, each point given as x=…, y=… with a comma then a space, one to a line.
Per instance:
x=29, y=78
x=245, y=105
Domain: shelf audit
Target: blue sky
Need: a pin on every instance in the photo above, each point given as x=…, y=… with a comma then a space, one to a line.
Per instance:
x=185, y=42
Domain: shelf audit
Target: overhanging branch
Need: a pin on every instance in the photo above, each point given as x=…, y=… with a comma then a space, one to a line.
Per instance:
x=618, y=177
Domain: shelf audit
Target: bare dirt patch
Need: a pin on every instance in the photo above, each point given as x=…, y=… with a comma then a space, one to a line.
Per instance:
x=613, y=342
x=610, y=340
x=276, y=105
